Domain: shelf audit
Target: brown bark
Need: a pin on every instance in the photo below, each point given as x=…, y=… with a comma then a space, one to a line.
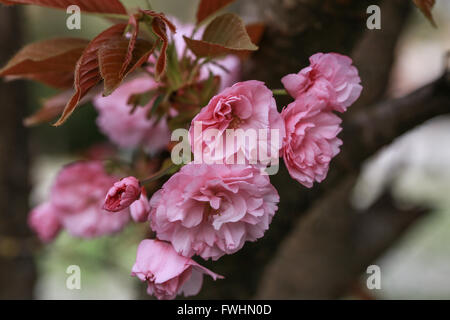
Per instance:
x=332, y=245
x=374, y=55
x=17, y=269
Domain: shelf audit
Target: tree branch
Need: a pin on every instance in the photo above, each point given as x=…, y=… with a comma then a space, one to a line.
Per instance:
x=332, y=245
x=367, y=131
x=375, y=53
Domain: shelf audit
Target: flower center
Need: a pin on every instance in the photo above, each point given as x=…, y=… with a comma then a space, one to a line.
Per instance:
x=235, y=122
x=209, y=211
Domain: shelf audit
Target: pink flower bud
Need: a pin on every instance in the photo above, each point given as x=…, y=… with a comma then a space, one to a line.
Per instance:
x=44, y=221
x=122, y=194
x=140, y=209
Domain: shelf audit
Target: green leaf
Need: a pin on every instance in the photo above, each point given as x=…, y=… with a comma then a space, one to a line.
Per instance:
x=156, y=104
x=141, y=99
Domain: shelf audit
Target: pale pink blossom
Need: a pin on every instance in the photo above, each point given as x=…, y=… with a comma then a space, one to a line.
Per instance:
x=330, y=77
x=44, y=221
x=167, y=273
x=122, y=194
x=140, y=209
x=311, y=140
x=76, y=201
x=246, y=107
x=212, y=210
x=127, y=129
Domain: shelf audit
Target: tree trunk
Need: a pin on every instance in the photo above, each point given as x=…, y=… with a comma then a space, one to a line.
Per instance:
x=17, y=269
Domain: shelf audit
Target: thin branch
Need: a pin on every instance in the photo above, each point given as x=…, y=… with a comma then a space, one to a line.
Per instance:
x=368, y=131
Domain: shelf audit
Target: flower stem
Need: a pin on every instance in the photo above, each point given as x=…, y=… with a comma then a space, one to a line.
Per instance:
x=161, y=173
x=279, y=92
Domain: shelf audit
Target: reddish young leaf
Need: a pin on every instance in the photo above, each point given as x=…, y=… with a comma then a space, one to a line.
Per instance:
x=93, y=6
x=112, y=56
x=207, y=8
x=161, y=16
x=120, y=56
x=425, y=6
x=87, y=73
x=226, y=34
x=54, y=106
x=255, y=31
x=56, y=79
x=159, y=26
x=51, y=108
x=51, y=61
x=116, y=55
x=45, y=114
x=134, y=24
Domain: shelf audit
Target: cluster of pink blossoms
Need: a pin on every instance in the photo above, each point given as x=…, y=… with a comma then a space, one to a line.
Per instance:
x=76, y=203
x=329, y=84
x=130, y=130
x=210, y=210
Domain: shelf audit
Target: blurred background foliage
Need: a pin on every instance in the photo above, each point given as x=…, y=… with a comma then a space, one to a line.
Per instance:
x=416, y=168
x=106, y=262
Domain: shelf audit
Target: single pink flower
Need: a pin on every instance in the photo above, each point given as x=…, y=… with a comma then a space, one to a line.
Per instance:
x=167, y=273
x=77, y=197
x=122, y=194
x=44, y=221
x=246, y=125
x=212, y=210
x=311, y=140
x=330, y=77
x=127, y=129
x=140, y=209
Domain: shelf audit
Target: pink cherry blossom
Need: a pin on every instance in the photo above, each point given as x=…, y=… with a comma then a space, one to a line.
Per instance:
x=140, y=209
x=122, y=194
x=44, y=221
x=212, y=210
x=167, y=273
x=127, y=129
x=330, y=77
x=311, y=140
x=245, y=107
x=76, y=203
